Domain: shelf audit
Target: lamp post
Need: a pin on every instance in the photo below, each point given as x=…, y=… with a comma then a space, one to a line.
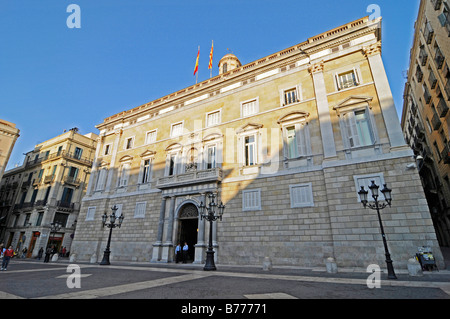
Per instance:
x=210, y=215
x=377, y=206
x=54, y=228
x=112, y=224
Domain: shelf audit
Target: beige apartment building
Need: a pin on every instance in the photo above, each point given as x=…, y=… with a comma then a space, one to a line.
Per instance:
x=40, y=200
x=426, y=117
x=8, y=136
x=285, y=142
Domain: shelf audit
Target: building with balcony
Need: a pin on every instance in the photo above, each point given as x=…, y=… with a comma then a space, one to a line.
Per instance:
x=425, y=117
x=8, y=136
x=46, y=190
x=285, y=142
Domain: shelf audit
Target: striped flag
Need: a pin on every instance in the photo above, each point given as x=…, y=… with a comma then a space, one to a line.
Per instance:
x=196, y=62
x=211, y=56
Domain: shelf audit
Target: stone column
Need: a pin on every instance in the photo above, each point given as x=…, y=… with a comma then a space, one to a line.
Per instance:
x=394, y=131
x=113, y=160
x=326, y=128
x=167, y=246
x=201, y=245
x=156, y=255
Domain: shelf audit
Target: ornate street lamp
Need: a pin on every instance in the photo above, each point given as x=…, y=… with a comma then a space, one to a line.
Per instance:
x=377, y=206
x=210, y=215
x=54, y=228
x=112, y=224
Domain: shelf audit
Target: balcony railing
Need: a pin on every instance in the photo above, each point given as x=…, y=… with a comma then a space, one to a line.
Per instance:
x=65, y=206
x=71, y=180
x=66, y=155
x=445, y=155
x=442, y=107
x=436, y=122
x=428, y=33
x=192, y=177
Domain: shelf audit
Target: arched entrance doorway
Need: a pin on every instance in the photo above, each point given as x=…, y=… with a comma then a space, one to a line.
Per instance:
x=188, y=228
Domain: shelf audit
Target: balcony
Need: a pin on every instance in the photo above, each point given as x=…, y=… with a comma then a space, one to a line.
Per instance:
x=442, y=108
x=190, y=178
x=436, y=4
x=432, y=80
x=436, y=122
x=428, y=33
x=445, y=155
x=48, y=179
x=65, y=206
x=426, y=94
x=423, y=56
x=71, y=180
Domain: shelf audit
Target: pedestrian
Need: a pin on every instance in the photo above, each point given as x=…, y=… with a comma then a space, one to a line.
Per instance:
x=48, y=251
x=2, y=249
x=185, y=252
x=7, y=255
x=64, y=251
x=40, y=252
x=24, y=252
x=178, y=253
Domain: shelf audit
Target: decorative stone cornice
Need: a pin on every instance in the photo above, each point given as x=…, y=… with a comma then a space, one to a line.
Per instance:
x=316, y=67
x=372, y=49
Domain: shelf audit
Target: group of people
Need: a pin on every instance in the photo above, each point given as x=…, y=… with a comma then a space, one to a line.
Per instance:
x=7, y=253
x=181, y=253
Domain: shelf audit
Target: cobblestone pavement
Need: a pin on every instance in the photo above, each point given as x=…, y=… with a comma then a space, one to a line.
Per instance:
x=34, y=279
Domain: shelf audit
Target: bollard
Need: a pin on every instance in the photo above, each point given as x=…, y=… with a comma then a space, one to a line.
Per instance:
x=414, y=268
x=267, y=264
x=331, y=265
x=93, y=258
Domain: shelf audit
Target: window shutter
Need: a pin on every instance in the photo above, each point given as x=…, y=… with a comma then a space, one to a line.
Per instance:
x=351, y=130
x=300, y=139
x=338, y=83
x=355, y=72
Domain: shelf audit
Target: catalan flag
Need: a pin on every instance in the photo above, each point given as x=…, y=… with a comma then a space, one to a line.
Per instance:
x=196, y=62
x=211, y=56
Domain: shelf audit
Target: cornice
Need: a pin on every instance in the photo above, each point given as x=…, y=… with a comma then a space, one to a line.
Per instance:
x=246, y=73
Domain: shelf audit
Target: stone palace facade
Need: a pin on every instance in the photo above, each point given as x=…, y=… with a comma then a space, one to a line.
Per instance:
x=285, y=142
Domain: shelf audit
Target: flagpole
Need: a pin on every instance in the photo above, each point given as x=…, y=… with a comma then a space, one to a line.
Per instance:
x=196, y=78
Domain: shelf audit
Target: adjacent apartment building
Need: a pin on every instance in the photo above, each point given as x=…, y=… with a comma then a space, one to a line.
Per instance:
x=285, y=142
x=8, y=136
x=40, y=200
x=426, y=117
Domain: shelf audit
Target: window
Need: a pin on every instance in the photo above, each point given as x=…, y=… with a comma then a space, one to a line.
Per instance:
x=146, y=171
x=123, y=175
x=61, y=218
x=213, y=118
x=250, y=150
x=251, y=199
x=211, y=157
x=101, y=179
x=77, y=153
x=291, y=142
x=129, y=143
x=139, y=211
x=358, y=128
x=366, y=180
x=249, y=107
x=290, y=96
x=225, y=68
x=150, y=137
x=90, y=213
x=301, y=195
x=66, y=198
x=347, y=79
x=172, y=164
x=39, y=218
x=107, y=150
x=177, y=129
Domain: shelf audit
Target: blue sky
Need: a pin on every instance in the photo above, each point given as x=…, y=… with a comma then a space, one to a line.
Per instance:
x=130, y=52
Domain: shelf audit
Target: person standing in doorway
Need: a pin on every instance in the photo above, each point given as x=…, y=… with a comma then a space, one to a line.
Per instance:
x=7, y=255
x=185, y=252
x=178, y=253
